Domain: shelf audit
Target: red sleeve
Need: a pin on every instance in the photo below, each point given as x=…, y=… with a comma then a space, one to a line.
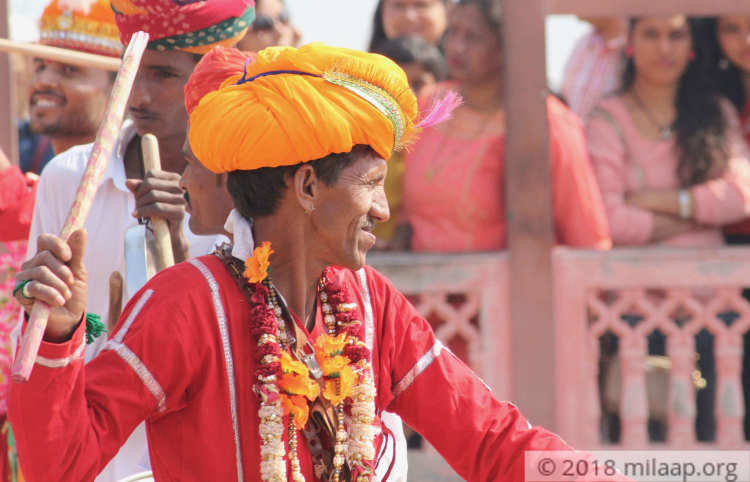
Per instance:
x=70, y=421
x=17, y=194
x=483, y=439
x=580, y=217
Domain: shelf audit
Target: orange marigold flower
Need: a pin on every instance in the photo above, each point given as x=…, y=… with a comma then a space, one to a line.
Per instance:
x=296, y=407
x=331, y=366
x=295, y=378
x=330, y=345
x=338, y=389
x=256, y=266
x=290, y=365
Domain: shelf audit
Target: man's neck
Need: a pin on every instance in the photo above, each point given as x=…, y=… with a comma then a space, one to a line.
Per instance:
x=63, y=143
x=170, y=157
x=170, y=154
x=294, y=275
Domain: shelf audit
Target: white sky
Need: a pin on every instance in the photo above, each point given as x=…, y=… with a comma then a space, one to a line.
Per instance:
x=345, y=23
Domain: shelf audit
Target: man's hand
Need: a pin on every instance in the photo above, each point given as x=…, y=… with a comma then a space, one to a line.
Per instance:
x=58, y=278
x=159, y=195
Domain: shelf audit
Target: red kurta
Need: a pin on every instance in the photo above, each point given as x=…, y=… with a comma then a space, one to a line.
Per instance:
x=181, y=358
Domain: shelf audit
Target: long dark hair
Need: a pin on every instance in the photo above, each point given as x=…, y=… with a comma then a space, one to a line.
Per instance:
x=725, y=76
x=700, y=126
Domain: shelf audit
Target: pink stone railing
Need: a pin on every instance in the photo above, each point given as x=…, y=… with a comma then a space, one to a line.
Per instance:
x=593, y=290
x=465, y=297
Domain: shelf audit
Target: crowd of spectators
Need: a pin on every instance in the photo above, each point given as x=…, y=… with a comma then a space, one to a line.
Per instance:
x=661, y=101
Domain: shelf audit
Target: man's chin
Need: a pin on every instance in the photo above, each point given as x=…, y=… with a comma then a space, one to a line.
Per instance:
x=44, y=128
x=197, y=228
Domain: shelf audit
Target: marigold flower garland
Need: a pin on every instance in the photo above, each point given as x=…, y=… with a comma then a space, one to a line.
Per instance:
x=285, y=387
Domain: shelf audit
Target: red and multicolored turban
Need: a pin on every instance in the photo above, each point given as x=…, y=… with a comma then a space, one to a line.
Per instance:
x=297, y=105
x=217, y=66
x=190, y=25
x=88, y=27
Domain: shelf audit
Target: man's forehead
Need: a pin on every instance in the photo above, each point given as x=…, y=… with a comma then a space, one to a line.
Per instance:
x=366, y=162
x=172, y=59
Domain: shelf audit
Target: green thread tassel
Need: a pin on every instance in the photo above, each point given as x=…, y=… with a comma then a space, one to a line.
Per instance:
x=12, y=453
x=94, y=327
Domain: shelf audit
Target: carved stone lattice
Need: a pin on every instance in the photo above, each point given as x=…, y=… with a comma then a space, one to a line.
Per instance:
x=455, y=319
x=637, y=317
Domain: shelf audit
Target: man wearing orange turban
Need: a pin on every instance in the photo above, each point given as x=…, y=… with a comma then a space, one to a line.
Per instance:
x=275, y=358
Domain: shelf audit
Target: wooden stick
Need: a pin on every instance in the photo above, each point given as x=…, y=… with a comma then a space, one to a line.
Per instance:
x=105, y=142
x=57, y=54
x=115, y=300
x=163, y=255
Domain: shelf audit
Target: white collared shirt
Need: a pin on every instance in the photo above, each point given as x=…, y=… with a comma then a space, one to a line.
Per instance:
x=109, y=218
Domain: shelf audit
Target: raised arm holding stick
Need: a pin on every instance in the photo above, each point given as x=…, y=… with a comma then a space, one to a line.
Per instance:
x=105, y=142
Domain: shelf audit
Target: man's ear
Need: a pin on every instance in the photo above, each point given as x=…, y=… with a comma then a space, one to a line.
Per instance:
x=306, y=186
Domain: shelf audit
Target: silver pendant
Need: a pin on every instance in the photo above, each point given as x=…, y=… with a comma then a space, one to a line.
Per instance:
x=312, y=364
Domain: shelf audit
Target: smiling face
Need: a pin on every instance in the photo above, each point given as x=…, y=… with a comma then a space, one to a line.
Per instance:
x=157, y=103
x=733, y=32
x=471, y=46
x=423, y=18
x=67, y=100
x=662, y=48
x=346, y=211
x=208, y=201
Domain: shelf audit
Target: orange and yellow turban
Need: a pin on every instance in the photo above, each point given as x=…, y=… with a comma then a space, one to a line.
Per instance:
x=297, y=105
x=190, y=25
x=88, y=27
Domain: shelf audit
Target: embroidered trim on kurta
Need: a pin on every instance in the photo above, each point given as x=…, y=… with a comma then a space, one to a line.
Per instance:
x=369, y=321
x=418, y=368
x=62, y=362
x=120, y=335
x=141, y=370
x=383, y=457
x=228, y=359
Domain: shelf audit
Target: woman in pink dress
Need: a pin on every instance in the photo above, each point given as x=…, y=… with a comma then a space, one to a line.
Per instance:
x=454, y=197
x=672, y=165
x=668, y=153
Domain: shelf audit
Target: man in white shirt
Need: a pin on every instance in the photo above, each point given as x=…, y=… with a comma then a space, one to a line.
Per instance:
x=127, y=193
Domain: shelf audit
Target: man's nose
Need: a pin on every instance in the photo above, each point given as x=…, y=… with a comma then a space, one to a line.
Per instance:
x=140, y=95
x=45, y=77
x=380, y=211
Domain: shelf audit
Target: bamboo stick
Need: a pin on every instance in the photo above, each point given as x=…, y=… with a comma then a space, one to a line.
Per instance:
x=163, y=255
x=105, y=142
x=58, y=54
